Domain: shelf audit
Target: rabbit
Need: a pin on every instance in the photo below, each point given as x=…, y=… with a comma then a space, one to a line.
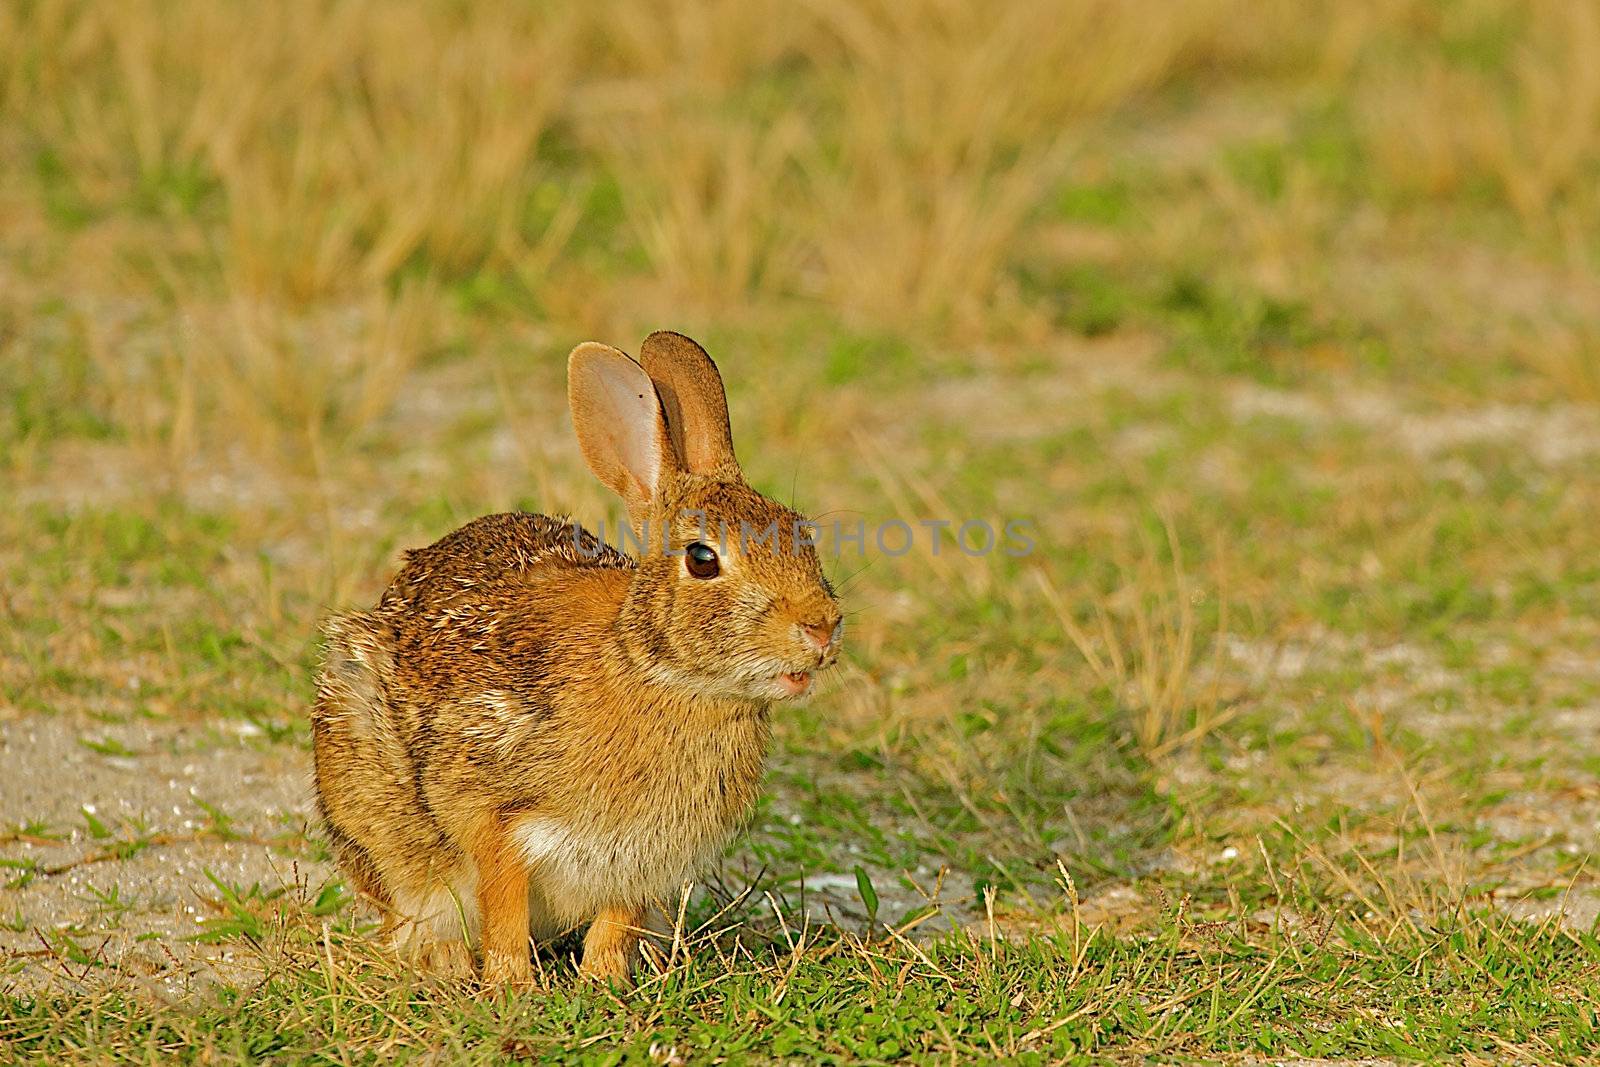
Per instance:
x=532, y=730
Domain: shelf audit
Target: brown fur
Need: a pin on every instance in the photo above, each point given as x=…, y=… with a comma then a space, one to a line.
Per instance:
x=532, y=730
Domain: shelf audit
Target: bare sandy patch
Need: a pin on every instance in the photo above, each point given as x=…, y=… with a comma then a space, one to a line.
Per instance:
x=114, y=850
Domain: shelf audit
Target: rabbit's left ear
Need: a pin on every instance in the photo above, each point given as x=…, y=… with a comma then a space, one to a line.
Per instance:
x=618, y=419
x=695, y=402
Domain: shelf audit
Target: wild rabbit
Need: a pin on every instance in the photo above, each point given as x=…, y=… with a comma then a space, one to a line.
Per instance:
x=533, y=730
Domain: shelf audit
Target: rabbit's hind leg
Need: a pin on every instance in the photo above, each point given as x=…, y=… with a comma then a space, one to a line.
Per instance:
x=384, y=837
x=357, y=864
x=433, y=924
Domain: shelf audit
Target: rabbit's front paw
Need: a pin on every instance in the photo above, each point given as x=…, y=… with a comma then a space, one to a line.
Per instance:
x=612, y=945
x=507, y=970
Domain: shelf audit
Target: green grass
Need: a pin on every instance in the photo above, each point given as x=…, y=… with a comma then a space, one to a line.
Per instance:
x=1475, y=985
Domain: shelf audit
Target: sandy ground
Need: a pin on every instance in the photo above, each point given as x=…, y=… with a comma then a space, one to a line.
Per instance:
x=139, y=914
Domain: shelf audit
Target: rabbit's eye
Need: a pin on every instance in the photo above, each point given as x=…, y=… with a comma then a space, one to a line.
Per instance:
x=701, y=559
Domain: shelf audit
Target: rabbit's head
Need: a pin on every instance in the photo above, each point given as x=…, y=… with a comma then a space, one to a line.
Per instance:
x=729, y=598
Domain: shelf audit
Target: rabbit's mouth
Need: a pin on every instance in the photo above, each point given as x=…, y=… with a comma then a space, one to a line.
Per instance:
x=794, y=683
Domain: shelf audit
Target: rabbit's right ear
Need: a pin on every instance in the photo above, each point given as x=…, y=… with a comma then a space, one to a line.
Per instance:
x=695, y=402
x=621, y=430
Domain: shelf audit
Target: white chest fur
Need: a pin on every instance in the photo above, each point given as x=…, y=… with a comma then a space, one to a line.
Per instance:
x=576, y=870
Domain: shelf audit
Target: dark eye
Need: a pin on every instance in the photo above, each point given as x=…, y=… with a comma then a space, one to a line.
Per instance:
x=701, y=560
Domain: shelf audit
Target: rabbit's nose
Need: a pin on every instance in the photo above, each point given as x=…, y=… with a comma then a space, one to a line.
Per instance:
x=822, y=633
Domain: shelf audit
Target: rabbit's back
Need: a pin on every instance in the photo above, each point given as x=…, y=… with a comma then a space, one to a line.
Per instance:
x=489, y=555
x=486, y=606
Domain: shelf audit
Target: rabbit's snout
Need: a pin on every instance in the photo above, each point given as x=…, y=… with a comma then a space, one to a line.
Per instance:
x=823, y=634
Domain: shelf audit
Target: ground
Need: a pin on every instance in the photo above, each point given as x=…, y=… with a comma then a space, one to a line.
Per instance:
x=1280, y=745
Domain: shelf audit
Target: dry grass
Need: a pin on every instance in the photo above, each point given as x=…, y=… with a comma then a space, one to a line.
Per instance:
x=1527, y=124
x=318, y=150
x=953, y=125
x=239, y=372
x=1144, y=644
x=885, y=160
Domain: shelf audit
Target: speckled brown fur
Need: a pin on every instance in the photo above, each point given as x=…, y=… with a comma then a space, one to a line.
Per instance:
x=533, y=730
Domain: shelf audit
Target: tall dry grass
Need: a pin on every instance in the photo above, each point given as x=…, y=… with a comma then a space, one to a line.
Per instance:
x=249, y=164
x=330, y=145
x=1511, y=106
x=954, y=121
x=343, y=140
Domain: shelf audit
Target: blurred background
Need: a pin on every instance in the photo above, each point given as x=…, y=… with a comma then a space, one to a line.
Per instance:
x=1279, y=320
x=277, y=214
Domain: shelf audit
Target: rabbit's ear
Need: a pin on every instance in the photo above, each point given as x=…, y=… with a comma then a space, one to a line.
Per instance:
x=697, y=408
x=621, y=430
